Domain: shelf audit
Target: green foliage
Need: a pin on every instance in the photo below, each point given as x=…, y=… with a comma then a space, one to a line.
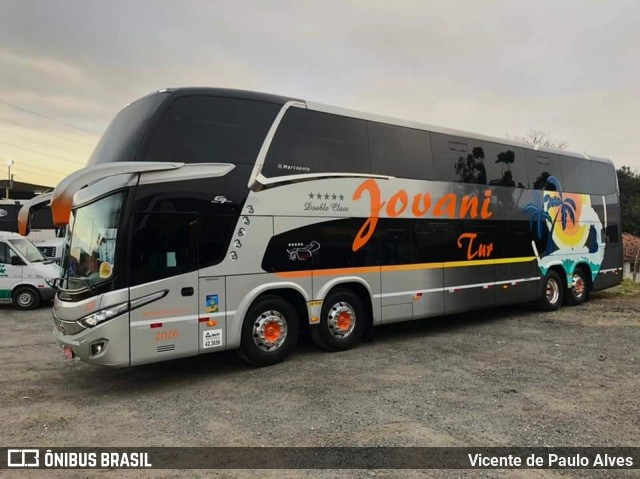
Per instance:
x=629, y=182
x=626, y=290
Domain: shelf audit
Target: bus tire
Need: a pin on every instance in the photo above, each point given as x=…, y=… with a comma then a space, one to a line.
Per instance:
x=25, y=298
x=551, y=293
x=342, y=321
x=269, y=332
x=578, y=293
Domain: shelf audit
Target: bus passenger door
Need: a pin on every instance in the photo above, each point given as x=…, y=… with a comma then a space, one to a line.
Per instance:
x=431, y=239
x=164, y=292
x=395, y=243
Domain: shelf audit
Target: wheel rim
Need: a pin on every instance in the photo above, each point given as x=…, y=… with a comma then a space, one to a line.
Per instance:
x=552, y=291
x=341, y=320
x=25, y=299
x=577, y=285
x=270, y=330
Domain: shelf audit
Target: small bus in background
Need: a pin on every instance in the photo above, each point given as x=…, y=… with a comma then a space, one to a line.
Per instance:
x=24, y=272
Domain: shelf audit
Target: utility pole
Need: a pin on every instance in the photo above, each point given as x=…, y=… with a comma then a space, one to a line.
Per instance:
x=9, y=179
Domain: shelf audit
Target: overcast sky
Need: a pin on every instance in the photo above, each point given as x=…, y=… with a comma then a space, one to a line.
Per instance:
x=571, y=68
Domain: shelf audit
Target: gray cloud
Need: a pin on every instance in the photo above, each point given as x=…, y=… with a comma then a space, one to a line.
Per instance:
x=499, y=67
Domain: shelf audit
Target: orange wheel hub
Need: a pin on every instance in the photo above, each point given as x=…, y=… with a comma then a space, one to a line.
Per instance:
x=272, y=332
x=344, y=321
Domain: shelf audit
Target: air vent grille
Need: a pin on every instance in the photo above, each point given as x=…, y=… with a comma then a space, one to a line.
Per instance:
x=166, y=348
x=48, y=251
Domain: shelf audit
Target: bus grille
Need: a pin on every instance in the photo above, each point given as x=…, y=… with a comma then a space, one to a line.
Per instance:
x=48, y=251
x=166, y=348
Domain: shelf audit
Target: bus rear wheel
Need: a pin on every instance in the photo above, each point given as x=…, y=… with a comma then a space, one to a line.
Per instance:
x=269, y=332
x=341, y=321
x=551, y=293
x=26, y=298
x=578, y=292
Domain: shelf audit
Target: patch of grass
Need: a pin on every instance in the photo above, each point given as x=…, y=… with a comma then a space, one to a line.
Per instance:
x=627, y=289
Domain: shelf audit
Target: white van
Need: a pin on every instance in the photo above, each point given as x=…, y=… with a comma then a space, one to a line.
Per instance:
x=23, y=270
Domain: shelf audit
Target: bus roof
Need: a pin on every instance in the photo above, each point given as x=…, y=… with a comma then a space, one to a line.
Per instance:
x=279, y=99
x=224, y=93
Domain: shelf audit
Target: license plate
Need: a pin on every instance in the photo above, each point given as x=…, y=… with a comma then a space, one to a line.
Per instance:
x=68, y=352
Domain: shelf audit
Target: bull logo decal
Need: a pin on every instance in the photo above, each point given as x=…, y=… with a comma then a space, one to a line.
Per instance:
x=303, y=253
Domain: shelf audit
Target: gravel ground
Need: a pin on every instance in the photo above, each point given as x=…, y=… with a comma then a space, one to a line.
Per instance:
x=502, y=377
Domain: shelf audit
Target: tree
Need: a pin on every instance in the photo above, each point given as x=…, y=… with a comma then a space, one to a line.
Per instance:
x=539, y=137
x=629, y=182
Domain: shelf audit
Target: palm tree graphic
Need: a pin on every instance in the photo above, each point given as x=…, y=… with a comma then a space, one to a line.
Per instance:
x=540, y=211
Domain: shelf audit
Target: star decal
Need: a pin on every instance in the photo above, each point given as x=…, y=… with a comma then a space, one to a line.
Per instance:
x=341, y=197
x=319, y=196
x=334, y=196
x=326, y=196
x=311, y=195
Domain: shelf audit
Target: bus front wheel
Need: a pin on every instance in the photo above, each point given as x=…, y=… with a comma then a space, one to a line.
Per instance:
x=551, y=293
x=269, y=332
x=341, y=321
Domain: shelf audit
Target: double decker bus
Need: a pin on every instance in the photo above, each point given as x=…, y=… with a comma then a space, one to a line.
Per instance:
x=214, y=219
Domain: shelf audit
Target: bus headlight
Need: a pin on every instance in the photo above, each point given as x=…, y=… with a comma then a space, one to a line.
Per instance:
x=103, y=315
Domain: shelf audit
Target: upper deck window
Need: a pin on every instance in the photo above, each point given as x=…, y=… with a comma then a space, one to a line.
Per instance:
x=467, y=160
x=540, y=166
x=399, y=151
x=200, y=129
x=604, y=177
x=577, y=175
x=312, y=142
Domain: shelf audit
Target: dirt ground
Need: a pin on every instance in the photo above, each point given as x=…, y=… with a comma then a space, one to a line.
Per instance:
x=502, y=377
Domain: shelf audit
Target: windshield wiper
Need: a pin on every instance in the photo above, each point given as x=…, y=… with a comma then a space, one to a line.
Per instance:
x=55, y=283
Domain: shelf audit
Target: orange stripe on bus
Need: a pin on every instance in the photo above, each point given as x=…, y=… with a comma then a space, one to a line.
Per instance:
x=400, y=267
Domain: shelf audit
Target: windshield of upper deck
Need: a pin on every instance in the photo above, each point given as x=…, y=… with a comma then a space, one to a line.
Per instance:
x=207, y=129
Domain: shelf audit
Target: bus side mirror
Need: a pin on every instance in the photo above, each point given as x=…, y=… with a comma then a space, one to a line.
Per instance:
x=16, y=261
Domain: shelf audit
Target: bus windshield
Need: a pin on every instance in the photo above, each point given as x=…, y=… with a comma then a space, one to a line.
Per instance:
x=122, y=138
x=92, y=243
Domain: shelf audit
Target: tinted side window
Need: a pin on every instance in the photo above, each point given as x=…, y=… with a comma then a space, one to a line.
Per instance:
x=604, y=177
x=519, y=239
x=163, y=245
x=540, y=166
x=434, y=241
x=611, y=234
x=199, y=129
x=312, y=142
x=399, y=151
x=505, y=165
x=577, y=175
x=215, y=234
x=5, y=258
x=467, y=160
x=447, y=153
x=395, y=242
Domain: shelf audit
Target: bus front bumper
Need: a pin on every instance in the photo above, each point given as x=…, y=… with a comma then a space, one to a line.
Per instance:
x=106, y=344
x=47, y=294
